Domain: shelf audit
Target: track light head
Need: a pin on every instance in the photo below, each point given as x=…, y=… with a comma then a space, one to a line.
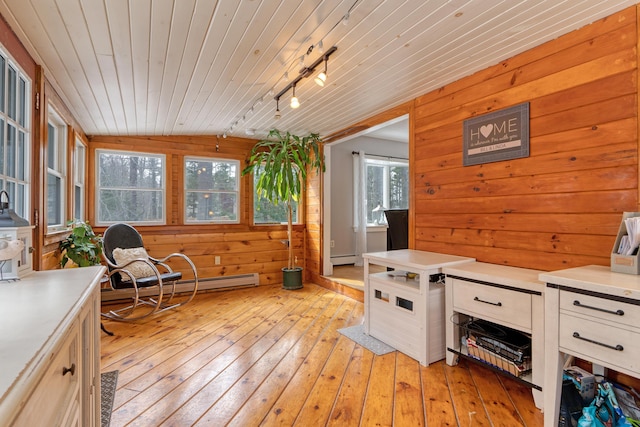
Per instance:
x=278, y=115
x=322, y=77
x=295, y=103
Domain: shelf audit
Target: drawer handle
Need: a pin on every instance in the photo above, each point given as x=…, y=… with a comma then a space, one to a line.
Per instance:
x=617, y=312
x=617, y=347
x=498, y=304
x=71, y=370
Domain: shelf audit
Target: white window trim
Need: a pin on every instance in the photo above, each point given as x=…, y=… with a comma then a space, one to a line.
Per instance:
x=163, y=190
x=60, y=162
x=79, y=178
x=25, y=207
x=386, y=162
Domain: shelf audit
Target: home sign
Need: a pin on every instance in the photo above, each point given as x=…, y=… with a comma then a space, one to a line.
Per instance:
x=501, y=135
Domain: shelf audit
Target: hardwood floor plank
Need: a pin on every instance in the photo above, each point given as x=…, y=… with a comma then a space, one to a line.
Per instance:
x=347, y=409
x=317, y=408
x=167, y=395
x=286, y=408
x=227, y=406
x=257, y=407
x=230, y=402
x=465, y=396
x=522, y=399
x=268, y=356
x=221, y=301
x=212, y=332
x=408, y=407
x=436, y=395
x=378, y=404
x=496, y=400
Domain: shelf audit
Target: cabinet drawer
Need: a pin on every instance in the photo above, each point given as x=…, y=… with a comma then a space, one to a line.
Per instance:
x=598, y=341
x=600, y=308
x=56, y=393
x=504, y=306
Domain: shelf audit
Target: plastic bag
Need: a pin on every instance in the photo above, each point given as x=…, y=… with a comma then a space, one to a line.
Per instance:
x=604, y=410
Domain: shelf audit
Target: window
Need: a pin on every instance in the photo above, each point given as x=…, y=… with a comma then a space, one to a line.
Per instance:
x=211, y=190
x=130, y=187
x=387, y=188
x=265, y=212
x=79, y=162
x=14, y=135
x=56, y=170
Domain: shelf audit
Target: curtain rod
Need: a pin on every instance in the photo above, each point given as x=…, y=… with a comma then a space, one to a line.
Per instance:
x=382, y=157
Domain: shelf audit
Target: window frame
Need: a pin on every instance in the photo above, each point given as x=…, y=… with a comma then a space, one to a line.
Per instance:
x=162, y=190
x=188, y=191
x=57, y=167
x=385, y=163
x=15, y=173
x=79, y=179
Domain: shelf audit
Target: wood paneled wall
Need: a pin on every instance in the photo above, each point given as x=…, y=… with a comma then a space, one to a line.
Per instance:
x=242, y=248
x=561, y=206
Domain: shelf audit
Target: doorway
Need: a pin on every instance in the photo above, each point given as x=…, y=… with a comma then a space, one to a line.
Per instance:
x=387, y=143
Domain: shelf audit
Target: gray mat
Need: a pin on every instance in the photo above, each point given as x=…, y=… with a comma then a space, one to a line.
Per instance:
x=108, y=382
x=356, y=333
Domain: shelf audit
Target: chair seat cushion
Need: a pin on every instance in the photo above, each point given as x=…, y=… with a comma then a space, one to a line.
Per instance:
x=138, y=268
x=144, y=282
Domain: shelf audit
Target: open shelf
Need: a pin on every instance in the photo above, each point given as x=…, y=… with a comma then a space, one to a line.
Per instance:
x=525, y=379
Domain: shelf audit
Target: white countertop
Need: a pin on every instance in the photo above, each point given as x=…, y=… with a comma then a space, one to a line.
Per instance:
x=32, y=311
x=419, y=260
x=596, y=278
x=523, y=278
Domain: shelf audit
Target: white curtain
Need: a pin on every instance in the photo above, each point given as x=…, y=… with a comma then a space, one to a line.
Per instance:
x=360, y=206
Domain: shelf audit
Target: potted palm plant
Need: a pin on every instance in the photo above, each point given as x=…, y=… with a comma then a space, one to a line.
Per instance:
x=282, y=162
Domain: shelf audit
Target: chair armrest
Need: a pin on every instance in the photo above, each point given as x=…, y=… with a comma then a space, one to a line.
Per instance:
x=161, y=261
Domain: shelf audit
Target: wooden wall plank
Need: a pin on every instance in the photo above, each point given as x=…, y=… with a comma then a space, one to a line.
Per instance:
x=561, y=206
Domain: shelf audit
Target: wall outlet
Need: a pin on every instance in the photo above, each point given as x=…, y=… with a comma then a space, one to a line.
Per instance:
x=216, y=260
x=332, y=244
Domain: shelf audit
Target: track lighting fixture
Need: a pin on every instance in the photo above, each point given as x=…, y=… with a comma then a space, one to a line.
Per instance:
x=305, y=72
x=278, y=115
x=322, y=77
x=295, y=103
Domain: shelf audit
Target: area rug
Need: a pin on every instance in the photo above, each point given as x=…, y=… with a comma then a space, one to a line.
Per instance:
x=108, y=382
x=356, y=333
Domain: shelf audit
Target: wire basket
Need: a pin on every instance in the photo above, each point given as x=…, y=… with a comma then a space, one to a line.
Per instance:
x=499, y=346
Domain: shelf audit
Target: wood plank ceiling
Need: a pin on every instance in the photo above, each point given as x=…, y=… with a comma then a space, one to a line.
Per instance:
x=163, y=67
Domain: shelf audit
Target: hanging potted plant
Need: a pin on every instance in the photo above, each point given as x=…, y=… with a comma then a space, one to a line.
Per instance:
x=282, y=161
x=83, y=247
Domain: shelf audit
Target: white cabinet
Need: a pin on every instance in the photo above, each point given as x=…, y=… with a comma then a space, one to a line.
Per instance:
x=407, y=313
x=594, y=314
x=504, y=296
x=50, y=349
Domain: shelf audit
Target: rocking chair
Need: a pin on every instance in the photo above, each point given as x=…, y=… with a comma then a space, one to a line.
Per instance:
x=151, y=282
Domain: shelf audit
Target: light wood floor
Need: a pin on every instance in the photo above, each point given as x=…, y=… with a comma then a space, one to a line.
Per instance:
x=266, y=356
x=352, y=276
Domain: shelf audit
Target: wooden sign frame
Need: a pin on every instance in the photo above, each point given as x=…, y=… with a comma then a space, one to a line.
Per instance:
x=497, y=136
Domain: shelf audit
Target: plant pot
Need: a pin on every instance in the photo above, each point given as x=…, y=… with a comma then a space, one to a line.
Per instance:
x=292, y=278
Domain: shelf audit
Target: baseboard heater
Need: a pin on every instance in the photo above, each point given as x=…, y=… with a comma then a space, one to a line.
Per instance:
x=204, y=284
x=344, y=259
